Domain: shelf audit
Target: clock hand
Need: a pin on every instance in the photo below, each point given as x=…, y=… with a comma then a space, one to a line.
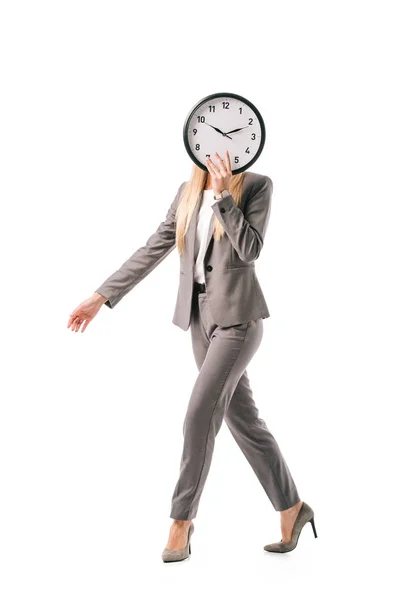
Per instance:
x=219, y=131
x=216, y=128
x=240, y=129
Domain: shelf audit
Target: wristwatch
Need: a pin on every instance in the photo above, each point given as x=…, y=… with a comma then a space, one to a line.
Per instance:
x=223, y=194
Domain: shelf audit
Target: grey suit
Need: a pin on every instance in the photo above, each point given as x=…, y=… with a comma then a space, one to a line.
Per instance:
x=226, y=324
x=233, y=290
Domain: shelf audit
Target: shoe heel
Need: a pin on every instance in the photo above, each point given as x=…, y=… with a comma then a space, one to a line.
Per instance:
x=313, y=526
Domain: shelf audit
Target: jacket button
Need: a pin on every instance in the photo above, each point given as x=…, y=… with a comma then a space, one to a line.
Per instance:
x=209, y=268
x=222, y=209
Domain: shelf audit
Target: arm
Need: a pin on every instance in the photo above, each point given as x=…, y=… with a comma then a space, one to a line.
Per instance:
x=246, y=230
x=144, y=260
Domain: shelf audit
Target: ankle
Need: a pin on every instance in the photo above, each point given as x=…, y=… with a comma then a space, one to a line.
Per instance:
x=292, y=509
x=181, y=523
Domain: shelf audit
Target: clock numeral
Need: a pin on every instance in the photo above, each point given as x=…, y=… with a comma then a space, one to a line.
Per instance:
x=240, y=109
x=251, y=121
x=236, y=159
x=201, y=119
x=208, y=155
x=197, y=146
x=247, y=150
x=212, y=108
x=194, y=131
x=253, y=136
x=225, y=105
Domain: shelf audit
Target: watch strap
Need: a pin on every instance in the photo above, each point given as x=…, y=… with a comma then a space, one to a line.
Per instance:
x=222, y=195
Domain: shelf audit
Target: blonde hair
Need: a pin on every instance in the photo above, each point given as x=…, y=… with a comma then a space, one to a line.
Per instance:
x=189, y=199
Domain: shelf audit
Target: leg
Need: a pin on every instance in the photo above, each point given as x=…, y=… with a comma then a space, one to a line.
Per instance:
x=200, y=343
x=230, y=351
x=250, y=431
x=260, y=447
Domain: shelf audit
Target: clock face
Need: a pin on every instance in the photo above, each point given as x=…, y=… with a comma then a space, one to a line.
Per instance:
x=221, y=122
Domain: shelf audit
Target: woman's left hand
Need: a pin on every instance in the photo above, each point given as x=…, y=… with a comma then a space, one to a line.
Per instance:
x=220, y=177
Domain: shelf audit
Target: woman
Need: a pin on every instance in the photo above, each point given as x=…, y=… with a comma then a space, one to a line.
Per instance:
x=218, y=222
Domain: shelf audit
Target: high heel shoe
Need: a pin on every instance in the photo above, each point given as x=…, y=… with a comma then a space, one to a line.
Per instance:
x=176, y=555
x=305, y=515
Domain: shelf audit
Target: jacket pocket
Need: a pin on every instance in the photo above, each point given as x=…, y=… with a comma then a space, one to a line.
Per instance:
x=236, y=263
x=240, y=266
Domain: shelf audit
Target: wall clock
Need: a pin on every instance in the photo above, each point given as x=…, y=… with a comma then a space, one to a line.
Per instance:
x=222, y=122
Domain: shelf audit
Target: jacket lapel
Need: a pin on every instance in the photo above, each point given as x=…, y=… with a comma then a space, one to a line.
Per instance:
x=191, y=232
x=209, y=234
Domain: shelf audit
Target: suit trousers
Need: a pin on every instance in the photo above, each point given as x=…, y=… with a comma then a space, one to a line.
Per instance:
x=222, y=391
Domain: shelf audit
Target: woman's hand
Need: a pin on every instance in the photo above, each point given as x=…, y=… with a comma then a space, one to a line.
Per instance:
x=86, y=312
x=221, y=177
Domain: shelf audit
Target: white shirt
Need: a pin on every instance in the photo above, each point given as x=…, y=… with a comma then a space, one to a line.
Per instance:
x=203, y=223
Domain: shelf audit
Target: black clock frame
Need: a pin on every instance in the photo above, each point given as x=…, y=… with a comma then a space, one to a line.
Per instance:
x=221, y=95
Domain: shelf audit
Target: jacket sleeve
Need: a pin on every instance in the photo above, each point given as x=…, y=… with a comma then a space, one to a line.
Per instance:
x=144, y=260
x=246, y=229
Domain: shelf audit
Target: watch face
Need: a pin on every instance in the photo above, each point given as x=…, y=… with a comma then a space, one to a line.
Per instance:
x=221, y=122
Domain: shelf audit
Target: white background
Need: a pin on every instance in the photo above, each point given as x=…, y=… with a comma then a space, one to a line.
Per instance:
x=93, y=100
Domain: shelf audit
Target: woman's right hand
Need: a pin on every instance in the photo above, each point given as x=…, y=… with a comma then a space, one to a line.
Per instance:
x=85, y=312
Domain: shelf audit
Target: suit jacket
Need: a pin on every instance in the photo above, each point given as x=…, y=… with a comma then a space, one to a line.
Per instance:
x=233, y=291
